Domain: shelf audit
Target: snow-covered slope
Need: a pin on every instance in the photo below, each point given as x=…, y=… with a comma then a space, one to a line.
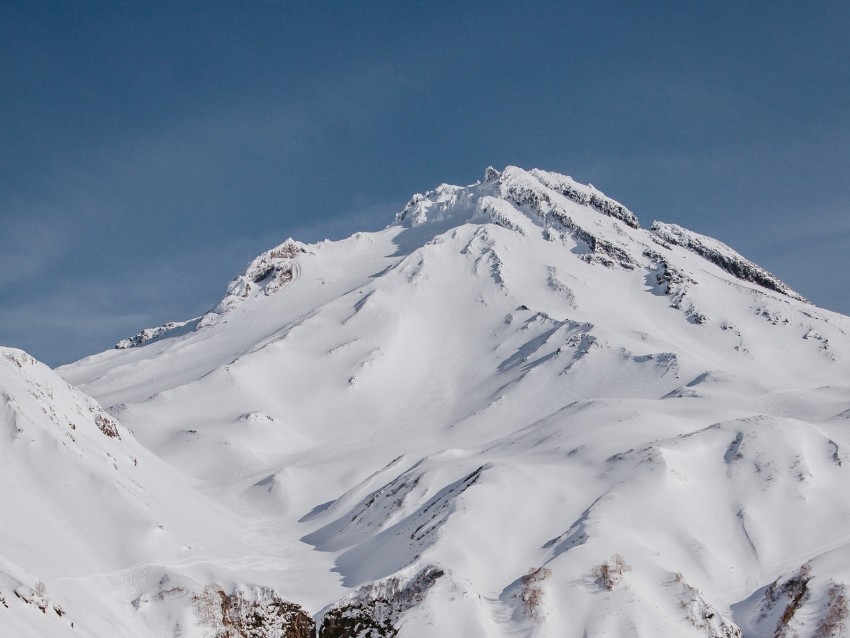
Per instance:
x=99, y=536
x=513, y=411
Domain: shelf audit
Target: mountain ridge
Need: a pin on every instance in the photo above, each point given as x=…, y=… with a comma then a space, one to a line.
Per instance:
x=533, y=189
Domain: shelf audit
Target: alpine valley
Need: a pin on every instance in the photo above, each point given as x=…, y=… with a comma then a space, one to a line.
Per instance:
x=512, y=412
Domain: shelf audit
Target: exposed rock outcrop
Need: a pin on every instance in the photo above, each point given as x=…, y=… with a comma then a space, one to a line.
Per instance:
x=251, y=612
x=148, y=334
x=268, y=273
x=373, y=610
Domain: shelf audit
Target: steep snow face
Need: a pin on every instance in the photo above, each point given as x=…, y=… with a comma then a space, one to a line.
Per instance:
x=513, y=412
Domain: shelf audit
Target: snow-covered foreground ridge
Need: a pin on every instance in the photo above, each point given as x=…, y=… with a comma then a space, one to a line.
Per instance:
x=513, y=412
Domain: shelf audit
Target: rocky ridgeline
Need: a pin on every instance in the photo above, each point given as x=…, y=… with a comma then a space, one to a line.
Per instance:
x=149, y=334
x=721, y=255
x=587, y=196
x=269, y=272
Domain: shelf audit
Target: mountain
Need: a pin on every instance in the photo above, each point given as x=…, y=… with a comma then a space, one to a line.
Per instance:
x=512, y=412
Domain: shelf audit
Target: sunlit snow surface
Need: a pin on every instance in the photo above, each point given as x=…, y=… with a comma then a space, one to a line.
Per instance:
x=574, y=427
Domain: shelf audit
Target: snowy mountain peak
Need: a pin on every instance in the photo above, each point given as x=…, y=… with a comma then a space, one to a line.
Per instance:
x=514, y=197
x=546, y=192
x=596, y=228
x=655, y=426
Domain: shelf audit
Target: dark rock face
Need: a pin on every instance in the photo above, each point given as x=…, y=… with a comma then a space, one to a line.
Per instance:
x=251, y=612
x=373, y=610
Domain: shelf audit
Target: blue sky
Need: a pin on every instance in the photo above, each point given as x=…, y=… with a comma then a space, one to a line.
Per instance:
x=149, y=150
